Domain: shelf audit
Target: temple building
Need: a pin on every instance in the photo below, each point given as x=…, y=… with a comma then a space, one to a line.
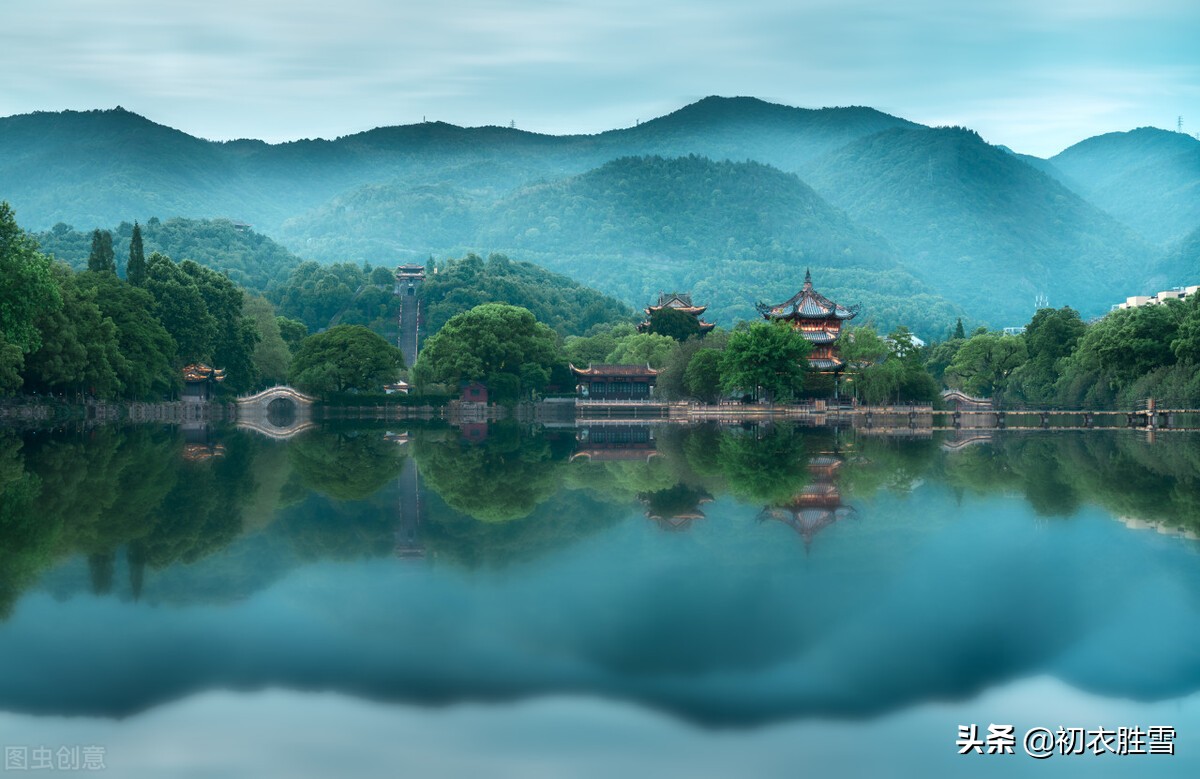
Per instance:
x=615, y=382
x=199, y=380
x=680, y=301
x=818, y=319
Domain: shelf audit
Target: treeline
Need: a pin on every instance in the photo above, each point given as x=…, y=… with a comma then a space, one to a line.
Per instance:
x=92, y=333
x=1118, y=361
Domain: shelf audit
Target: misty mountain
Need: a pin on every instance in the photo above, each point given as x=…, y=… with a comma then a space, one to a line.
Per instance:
x=1147, y=178
x=100, y=167
x=980, y=226
x=891, y=197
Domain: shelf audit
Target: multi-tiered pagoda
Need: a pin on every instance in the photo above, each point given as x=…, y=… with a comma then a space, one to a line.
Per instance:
x=818, y=319
x=680, y=301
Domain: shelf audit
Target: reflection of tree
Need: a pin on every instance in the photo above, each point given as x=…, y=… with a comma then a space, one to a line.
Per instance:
x=322, y=529
x=675, y=507
x=26, y=540
x=108, y=488
x=345, y=465
x=565, y=518
x=500, y=479
x=766, y=465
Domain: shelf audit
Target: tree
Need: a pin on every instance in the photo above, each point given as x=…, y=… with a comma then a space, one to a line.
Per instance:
x=291, y=331
x=642, y=349
x=345, y=358
x=984, y=363
x=79, y=350
x=101, y=259
x=135, y=271
x=673, y=323
x=767, y=356
x=702, y=379
x=959, y=332
x=147, y=370
x=271, y=354
x=11, y=363
x=490, y=340
x=27, y=288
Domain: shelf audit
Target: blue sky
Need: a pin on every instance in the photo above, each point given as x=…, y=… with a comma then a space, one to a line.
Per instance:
x=1035, y=75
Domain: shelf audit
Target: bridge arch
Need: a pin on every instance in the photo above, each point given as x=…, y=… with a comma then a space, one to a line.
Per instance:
x=278, y=412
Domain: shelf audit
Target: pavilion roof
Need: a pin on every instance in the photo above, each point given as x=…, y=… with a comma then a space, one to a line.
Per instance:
x=198, y=371
x=807, y=304
x=603, y=369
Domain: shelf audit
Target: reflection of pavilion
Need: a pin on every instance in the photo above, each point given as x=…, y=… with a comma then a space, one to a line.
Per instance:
x=197, y=446
x=606, y=443
x=675, y=508
x=815, y=507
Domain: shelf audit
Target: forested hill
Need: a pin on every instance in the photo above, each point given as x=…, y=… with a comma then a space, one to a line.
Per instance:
x=1148, y=178
x=980, y=226
x=251, y=259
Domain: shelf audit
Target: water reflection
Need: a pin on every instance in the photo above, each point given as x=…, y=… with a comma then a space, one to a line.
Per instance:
x=432, y=564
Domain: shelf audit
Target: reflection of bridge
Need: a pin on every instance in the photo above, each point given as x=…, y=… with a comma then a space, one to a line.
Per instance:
x=279, y=412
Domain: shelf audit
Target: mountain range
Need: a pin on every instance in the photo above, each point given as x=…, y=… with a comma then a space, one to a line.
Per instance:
x=732, y=198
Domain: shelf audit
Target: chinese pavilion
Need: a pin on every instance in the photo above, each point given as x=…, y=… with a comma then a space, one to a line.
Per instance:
x=680, y=301
x=615, y=382
x=198, y=380
x=818, y=319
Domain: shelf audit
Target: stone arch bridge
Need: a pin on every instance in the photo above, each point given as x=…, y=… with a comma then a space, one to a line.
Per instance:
x=277, y=412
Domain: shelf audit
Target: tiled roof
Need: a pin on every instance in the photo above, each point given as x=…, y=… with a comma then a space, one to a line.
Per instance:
x=807, y=303
x=615, y=370
x=198, y=371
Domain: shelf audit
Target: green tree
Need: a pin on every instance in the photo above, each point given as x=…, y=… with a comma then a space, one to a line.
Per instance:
x=27, y=288
x=490, y=340
x=345, y=358
x=702, y=379
x=984, y=363
x=180, y=307
x=135, y=271
x=291, y=331
x=79, y=350
x=959, y=332
x=102, y=259
x=768, y=357
x=673, y=323
x=11, y=364
x=642, y=349
x=271, y=354
x=147, y=370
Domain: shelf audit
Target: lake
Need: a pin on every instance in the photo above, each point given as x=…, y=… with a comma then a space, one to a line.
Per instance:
x=750, y=600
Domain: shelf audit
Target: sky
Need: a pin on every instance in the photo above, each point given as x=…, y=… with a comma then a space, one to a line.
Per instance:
x=1035, y=75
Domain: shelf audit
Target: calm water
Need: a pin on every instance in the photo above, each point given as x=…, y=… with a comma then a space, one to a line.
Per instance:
x=760, y=600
